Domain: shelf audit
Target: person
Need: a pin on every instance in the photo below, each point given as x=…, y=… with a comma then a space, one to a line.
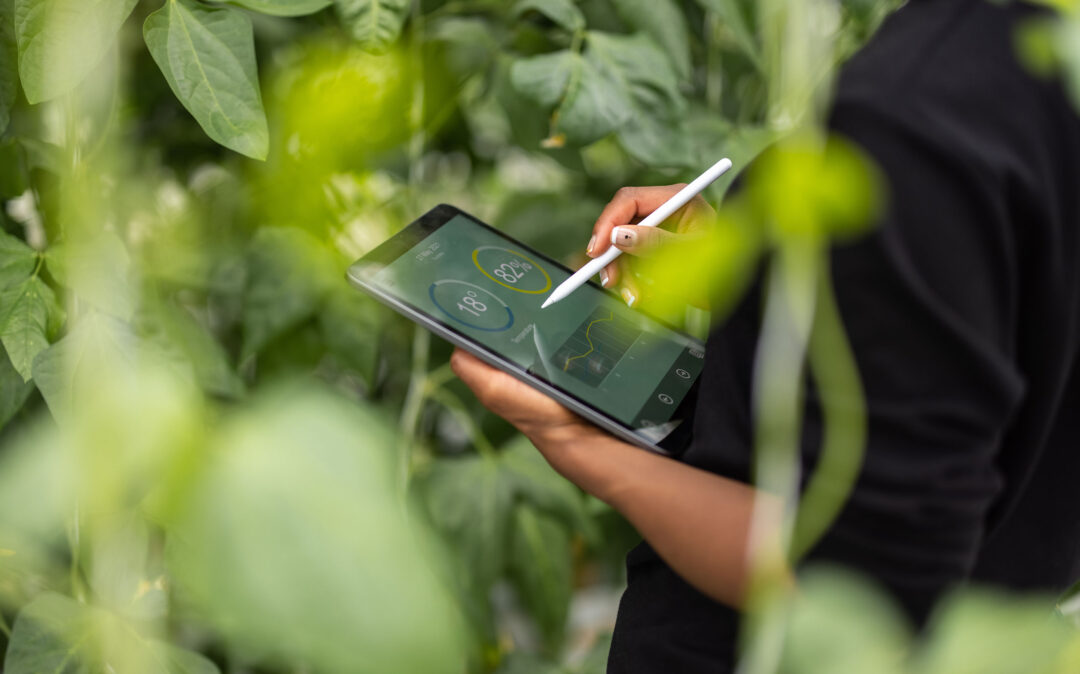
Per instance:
x=963, y=310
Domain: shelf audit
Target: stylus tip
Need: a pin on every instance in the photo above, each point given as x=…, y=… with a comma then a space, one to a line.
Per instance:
x=547, y=303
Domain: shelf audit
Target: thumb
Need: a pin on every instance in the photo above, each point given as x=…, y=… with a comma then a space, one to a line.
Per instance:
x=640, y=240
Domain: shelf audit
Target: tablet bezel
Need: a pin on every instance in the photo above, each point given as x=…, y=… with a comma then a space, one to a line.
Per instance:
x=359, y=273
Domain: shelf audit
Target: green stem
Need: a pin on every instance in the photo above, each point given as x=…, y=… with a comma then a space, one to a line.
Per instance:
x=843, y=408
x=457, y=408
x=414, y=401
x=4, y=626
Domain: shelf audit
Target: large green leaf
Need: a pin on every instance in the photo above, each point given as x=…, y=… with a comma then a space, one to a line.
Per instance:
x=59, y=635
x=375, y=24
x=470, y=503
x=732, y=19
x=24, y=318
x=187, y=343
x=17, y=260
x=208, y=57
x=563, y=12
x=535, y=482
x=70, y=370
x=290, y=273
x=663, y=21
x=97, y=270
x=540, y=568
x=293, y=542
x=589, y=104
x=350, y=327
x=282, y=7
x=655, y=132
x=9, y=62
x=61, y=41
x=14, y=390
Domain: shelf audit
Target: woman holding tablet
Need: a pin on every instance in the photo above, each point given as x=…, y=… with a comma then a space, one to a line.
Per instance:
x=963, y=311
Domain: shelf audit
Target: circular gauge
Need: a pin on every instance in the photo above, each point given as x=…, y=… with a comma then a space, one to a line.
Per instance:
x=512, y=270
x=471, y=305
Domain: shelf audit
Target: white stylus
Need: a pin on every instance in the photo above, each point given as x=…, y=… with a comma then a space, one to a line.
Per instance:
x=681, y=198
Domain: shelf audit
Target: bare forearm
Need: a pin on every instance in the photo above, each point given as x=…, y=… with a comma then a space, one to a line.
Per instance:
x=698, y=522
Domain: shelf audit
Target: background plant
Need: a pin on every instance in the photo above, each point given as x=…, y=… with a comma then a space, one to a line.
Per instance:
x=217, y=456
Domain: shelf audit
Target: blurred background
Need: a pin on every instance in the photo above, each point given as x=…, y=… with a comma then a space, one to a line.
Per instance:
x=218, y=457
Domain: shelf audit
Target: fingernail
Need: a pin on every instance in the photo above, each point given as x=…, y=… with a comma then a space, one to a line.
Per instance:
x=604, y=278
x=592, y=242
x=628, y=297
x=623, y=236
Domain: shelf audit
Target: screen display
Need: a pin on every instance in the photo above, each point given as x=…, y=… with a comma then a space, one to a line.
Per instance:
x=590, y=345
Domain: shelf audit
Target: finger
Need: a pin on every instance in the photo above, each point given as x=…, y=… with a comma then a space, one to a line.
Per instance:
x=628, y=203
x=471, y=370
x=609, y=275
x=630, y=290
x=640, y=240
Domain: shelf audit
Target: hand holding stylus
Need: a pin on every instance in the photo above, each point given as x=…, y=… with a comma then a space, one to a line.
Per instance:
x=653, y=217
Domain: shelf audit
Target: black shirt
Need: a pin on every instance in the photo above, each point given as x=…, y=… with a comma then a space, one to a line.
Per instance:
x=963, y=310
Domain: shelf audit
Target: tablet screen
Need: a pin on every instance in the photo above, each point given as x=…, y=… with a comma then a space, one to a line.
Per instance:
x=590, y=345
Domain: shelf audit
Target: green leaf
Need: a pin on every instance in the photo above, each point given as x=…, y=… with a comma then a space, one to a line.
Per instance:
x=535, y=482
x=540, y=570
x=24, y=318
x=731, y=17
x=986, y=631
x=841, y=624
x=184, y=340
x=563, y=12
x=62, y=41
x=294, y=518
x=469, y=503
x=17, y=260
x=52, y=634
x=14, y=180
x=62, y=636
x=290, y=272
x=282, y=7
x=350, y=327
x=375, y=24
x=14, y=390
x=9, y=62
x=589, y=103
x=663, y=21
x=71, y=369
x=97, y=270
x=208, y=57
x=655, y=131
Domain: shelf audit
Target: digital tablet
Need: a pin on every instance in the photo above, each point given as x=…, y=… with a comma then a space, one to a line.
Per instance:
x=482, y=290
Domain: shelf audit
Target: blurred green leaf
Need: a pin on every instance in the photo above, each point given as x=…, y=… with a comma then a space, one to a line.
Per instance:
x=57, y=634
x=518, y=662
x=69, y=370
x=375, y=24
x=17, y=260
x=303, y=483
x=540, y=569
x=470, y=505
x=980, y=630
x=664, y=22
x=9, y=62
x=208, y=57
x=97, y=269
x=182, y=338
x=14, y=180
x=563, y=12
x=350, y=323
x=536, y=482
x=731, y=16
x=24, y=318
x=588, y=104
x=655, y=132
x=840, y=624
x=14, y=390
x=290, y=272
x=281, y=7
x=62, y=41
x=595, y=661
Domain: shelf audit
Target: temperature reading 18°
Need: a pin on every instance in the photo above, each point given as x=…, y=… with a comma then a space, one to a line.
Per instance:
x=468, y=304
x=512, y=270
